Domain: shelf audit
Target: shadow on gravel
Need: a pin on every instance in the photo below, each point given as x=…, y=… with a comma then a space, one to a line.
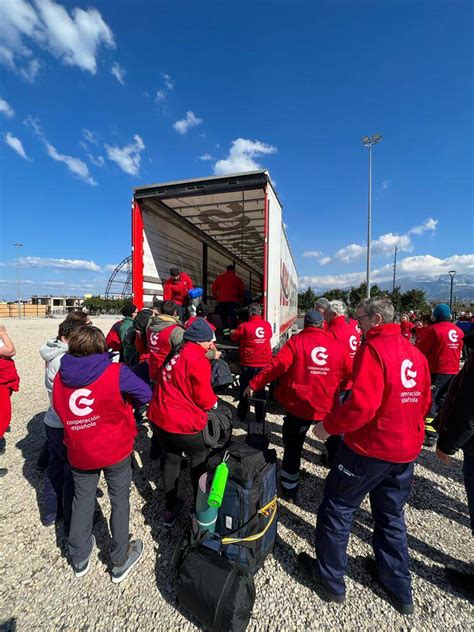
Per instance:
x=30, y=447
x=427, y=495
x=429, y=460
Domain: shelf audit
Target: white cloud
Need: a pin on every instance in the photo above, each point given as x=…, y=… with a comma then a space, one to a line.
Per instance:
x=313, y=253
x=90, y=136
x=6, y=109
x=118, y=72
x=242, y=156
x=169, y=82
x=75, y=165
x=16, y=144
x=206, y=157
x=73, y=38
x=97, y=161
x=160, y=96
x=414, y=266
x=190, y=120
x=49, y=262
x=110, y=267
x=386, y=184
x=128, y=158
x=429, y=225
x=325, y=260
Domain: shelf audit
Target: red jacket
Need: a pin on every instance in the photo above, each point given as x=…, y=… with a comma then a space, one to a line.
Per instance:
x=312, y=367
x=159, y=346
x=99, y=427
x=191, y=320
x=8, y=375
x=254, y=338
x=183, y=393
x=228, y=288
x=177, y=291
x=384, y=416
x=407, y=328
x=113, y=339
x=442, y=345
x=346, y=331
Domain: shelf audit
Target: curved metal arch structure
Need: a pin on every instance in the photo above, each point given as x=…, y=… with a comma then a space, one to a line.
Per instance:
x=120, y=281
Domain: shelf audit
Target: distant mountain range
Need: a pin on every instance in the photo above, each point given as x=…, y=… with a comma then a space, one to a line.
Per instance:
x=437, y=288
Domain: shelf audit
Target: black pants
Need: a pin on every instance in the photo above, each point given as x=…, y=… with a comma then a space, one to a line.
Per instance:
x=351, y=478
x=294, y=433
x=174, y=445
x=118, y=478
x=247, y=373
x=439, y=387
x=228, y=314
x=59, y=490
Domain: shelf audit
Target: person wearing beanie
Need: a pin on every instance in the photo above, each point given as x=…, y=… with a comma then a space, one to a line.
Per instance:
x=312, y=368
x=181, y=400
x=176, y=289
x=442, y=344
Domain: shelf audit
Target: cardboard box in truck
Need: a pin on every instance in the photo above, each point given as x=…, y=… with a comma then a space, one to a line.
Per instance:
x=200, y=226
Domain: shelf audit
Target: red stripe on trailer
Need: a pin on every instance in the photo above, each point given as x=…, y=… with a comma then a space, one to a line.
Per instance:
x=265, y=254
x=137, y=255
x=288, y=324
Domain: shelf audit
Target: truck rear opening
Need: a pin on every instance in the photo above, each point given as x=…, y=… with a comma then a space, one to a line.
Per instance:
x=203, y=225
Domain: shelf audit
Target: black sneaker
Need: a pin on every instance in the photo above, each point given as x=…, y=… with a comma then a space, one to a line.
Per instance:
x=83, y=567
x=171, y=515
x=3, y=472
x=403, y=608
x=308, y=568
x=135, y=552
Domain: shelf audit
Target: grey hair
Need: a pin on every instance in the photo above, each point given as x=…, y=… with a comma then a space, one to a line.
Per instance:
x=382, y=306
x=255, y=309
x=338, y=308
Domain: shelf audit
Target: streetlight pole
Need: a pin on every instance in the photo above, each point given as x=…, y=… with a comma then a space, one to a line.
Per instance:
x=18, y=246
x=452, y=274
x=370, y=141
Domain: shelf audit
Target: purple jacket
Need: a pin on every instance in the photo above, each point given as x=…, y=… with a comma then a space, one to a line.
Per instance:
x=81, y=371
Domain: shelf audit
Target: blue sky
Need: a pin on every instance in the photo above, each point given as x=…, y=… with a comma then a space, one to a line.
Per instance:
x=99, y=97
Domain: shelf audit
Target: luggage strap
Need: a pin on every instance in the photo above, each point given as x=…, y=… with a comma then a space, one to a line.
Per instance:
x=229, y=583
x=269, y=510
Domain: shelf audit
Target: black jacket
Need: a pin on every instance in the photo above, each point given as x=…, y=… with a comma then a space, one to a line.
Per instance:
x=455, y=420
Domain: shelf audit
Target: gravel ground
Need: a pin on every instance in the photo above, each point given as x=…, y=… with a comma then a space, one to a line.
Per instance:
x=39, y=590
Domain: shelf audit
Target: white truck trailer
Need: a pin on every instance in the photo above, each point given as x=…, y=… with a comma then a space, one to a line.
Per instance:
x=202, y=225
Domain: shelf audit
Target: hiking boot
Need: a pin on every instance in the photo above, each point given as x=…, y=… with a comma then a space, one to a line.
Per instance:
x=171, y=515
x=400, y=606
x=83, y=567
x=135, y=552
x=308, y=568
x=430, y=439
x=3, y=471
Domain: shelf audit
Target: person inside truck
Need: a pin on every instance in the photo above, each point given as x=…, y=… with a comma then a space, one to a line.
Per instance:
x=176, y=289
x=229, y=291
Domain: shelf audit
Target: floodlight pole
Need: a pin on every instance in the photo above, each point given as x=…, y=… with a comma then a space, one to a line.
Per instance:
x=452, y=274
x=370, y=142
x=18, y=246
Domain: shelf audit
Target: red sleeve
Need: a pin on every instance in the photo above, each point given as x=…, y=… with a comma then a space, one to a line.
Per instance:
x=427, y=389
x=200, y=379
x=188, y=279
x=426, y=342
x=167, y=292
x=237, y=334
x=215, y=288
x=366, y=396
x=347, y=367
x=276, y=367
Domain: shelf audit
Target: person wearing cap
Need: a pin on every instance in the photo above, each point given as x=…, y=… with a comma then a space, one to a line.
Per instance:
x=442, y=345
x=344, y=329
x=181, y=400
x=382, y=424
x=255, y=352
x=312, y=368
x=176, y=289
x=229, y=291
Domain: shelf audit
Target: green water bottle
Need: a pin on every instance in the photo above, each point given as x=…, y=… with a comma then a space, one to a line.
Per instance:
x=218, y=485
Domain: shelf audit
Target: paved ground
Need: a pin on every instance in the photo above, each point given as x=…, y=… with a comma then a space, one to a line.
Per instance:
x=39, y=592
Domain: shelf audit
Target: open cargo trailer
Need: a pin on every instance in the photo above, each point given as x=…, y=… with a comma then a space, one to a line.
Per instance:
x=202, y=225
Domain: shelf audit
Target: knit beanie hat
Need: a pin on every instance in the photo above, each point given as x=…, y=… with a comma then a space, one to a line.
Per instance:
x=323, y=303
x=199, y=331
x=442, y=312
x=128, y=309
x=313, y=318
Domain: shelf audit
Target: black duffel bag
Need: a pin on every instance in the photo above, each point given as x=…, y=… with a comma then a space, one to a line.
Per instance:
x=219, y=593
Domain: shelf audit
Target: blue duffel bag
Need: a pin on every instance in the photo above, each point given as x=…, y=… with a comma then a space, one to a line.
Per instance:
x=195, y=292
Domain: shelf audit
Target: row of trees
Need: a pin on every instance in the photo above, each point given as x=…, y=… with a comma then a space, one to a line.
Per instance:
x=402, y=301
x=99, y=305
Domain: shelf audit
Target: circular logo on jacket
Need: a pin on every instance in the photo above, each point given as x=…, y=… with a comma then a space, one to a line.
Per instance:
x=79, y=404
x=407, y=375
x=453, y=335
x=154, y=338
x=260, y=332
x=353, y=343
x=319, y=356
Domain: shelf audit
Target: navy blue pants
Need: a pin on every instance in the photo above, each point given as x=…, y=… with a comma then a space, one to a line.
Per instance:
x=468, y=471
x=247, y=373
x=59, y=484
x=439, y=388
x=350, y=479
